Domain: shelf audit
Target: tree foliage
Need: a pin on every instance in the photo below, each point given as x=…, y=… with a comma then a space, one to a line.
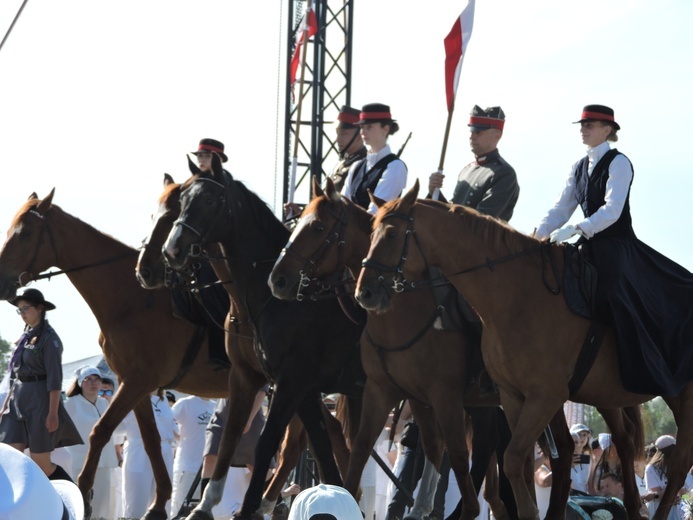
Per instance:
x=656, y=416
x=5, y=349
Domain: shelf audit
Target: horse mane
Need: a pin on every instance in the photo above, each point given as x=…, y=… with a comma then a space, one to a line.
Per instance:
x=317, y=203
x=169, y=192
x=269, y=224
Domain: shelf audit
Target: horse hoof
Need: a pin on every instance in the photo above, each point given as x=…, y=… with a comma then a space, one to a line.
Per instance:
x=281, y=512
x=198, y=514
x=155, y=515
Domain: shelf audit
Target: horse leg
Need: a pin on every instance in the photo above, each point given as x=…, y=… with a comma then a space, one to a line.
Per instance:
x=681, y=459
x=492, y=491
x=527, y=419
x=310, y=412
x=340, y=449
x=623, y=438
x=152, y=446
x=282, y=407
x=377, y=404
x=560, y=467
x=292, y=446
x=243, y=387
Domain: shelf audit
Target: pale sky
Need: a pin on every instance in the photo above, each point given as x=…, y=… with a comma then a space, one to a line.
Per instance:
x=98, y=99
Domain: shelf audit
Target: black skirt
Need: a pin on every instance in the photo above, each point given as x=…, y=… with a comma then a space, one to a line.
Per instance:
x=648, y=298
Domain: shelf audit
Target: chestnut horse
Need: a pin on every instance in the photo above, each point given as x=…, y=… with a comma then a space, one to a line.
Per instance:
x=531, y=339
x=143, y=343
x=404, y=352
x=304, y=348
x=152, y=273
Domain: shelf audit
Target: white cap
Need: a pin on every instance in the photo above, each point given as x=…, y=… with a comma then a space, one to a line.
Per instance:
x=84, y=372
x=577, y=428
x=325, y=501
x=665, y=441
x=604, y=440
x=27, y=494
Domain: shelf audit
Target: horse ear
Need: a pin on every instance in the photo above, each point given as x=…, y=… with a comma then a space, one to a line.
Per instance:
x=411, y=195
x=33, y=196
x=376, y=200
x=193, y=167
x=317, y=190
x=46, y=203
x=167, y=179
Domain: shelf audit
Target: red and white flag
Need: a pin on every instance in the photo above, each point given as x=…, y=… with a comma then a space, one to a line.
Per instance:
x=312, y=26
x=455, y=48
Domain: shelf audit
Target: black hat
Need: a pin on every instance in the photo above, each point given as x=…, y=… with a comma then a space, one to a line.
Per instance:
x=375, y=113
x=598, y=113
x=212, y=145
x=34, y=296
x=480, y=119
x=348, y=117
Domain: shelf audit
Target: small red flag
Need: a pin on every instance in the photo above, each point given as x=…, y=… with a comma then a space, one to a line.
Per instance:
x=455, y=48
x=312, y=26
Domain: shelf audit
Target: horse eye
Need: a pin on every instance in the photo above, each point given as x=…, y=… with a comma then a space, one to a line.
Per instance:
x=391, y=233
x=318, y=228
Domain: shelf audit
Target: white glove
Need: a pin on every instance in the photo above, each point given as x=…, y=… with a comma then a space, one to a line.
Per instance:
x=564, y=233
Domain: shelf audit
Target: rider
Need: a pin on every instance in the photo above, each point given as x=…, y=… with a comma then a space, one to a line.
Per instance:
x=644, y=295
x=215, y=305
x=383, y=173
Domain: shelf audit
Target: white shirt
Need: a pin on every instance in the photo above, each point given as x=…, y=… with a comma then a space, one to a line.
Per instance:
x=84, y=414
x=192, y=415
x=390, y=185
x=620, y=176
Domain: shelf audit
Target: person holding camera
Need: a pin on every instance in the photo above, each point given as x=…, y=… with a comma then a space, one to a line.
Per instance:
x=582, y=458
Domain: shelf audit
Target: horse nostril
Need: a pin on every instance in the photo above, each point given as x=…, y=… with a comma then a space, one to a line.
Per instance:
x=145, y=274
x=279, y=282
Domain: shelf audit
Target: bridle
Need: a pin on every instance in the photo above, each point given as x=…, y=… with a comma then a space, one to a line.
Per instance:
x=400, y=284
x=308, y=274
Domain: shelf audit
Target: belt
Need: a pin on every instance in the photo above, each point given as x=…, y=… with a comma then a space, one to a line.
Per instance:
x=31, y=379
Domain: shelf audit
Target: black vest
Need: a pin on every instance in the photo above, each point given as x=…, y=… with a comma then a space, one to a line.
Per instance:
x=369, y=180
x=590, y=192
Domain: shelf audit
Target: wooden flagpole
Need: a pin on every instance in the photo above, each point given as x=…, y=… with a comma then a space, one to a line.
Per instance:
x=436, y=193
x=294, y=161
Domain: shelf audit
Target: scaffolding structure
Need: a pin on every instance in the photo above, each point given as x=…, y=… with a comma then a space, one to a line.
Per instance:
x=326, y=87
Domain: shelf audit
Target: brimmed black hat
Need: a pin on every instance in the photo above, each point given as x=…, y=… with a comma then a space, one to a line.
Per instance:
x=348, y=117
x=598, y=113
x=375, y=113
x=483, y=119
x=212, y=145
x=34, y=296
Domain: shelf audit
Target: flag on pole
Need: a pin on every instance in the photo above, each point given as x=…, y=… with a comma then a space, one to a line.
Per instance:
x=312, y=26
x=455, y=48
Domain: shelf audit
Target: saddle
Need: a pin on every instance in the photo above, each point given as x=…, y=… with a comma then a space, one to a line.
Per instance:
x=579, y=281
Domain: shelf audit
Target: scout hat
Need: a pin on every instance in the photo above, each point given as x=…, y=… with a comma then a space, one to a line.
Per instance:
x=598, y=113
x=491, y=117
x=325, y=502
x=348, y=117
x=34, y=296
x=27, y=494
x=211, y=145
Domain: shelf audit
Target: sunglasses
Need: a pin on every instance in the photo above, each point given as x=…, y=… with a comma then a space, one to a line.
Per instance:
x=105, y=392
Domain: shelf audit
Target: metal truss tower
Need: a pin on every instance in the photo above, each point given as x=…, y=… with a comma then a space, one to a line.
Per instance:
x=326, y=87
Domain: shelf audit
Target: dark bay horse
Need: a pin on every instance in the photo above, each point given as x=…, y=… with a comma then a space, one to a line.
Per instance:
x=142, y=341
x=531, y=338
x=304, y=348
x=152, y=273
x=404, y=352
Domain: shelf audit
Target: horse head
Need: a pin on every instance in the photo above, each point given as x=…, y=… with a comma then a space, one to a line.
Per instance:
x=204, y=209
x=29, y=247
x=312, y=249
x=151, y=270
x=383, y=269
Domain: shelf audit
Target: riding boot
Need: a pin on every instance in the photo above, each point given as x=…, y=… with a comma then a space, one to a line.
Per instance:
x=59, y=474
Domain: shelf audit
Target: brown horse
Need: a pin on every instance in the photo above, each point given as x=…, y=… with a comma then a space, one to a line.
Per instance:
x=142, y=341
x=531, y=338
x=152, y=273
x=333, y=233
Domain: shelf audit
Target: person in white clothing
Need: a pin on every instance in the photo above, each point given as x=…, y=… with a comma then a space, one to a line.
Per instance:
x=192, y=415
x=85, y=408
x=383, y=173
x=138, y=477
x=582, y=458
x=656, y=478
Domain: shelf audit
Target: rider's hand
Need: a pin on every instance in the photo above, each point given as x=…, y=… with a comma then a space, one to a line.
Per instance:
x=564, y=233
x=435, y=181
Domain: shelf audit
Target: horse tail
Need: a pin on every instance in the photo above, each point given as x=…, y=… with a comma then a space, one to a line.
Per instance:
x=348, y=413
x=634, y=416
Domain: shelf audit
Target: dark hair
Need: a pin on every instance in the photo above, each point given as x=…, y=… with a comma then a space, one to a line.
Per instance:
x=394, y=127
x=107, y=381
x=170, y=396
x=74, y=389
x=595, y=444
